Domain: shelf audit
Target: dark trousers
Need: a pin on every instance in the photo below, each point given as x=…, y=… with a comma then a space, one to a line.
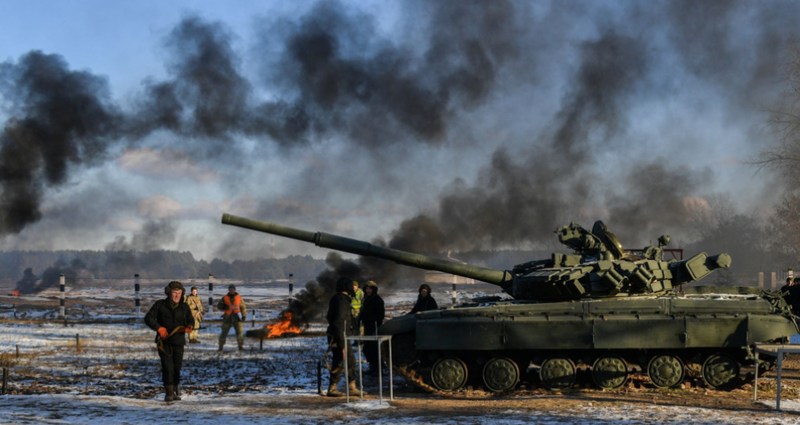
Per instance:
x=371, y=348
x=337, y=366
x=171, y=365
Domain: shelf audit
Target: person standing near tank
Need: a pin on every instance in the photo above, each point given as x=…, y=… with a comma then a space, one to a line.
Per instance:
x=196, y=305
x=425, y=301
x=234, y=313
x=356, y=301
x=788, y=284
x=172, y=319
x=373, y=312
x=339, y=324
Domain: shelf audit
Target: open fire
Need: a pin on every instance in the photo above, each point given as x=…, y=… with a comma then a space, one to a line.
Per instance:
x=283, y=326
x=16, y=293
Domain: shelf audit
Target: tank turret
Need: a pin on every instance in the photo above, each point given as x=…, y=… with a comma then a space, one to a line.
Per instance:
x=598, y=267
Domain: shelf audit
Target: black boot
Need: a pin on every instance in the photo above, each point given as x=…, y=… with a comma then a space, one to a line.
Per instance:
x=176, y=395
x=169, y=391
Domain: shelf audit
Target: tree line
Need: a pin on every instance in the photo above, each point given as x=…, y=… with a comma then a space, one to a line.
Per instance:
x=149, y=264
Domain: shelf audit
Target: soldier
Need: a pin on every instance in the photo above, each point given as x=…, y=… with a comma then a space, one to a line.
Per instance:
x=356, y=300
x=172, y=319
x=372, y=314
x=197, y=312
x=425, y=301
x=787, y=285
x=235, y=312
x=339, y=317
x=792, y=297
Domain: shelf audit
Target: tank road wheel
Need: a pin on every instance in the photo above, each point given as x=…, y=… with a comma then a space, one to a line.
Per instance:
x=449, y=374
x=720, y=371
x=666, y=371
x=500, y=374
x=609, y=372
x=557, y=373
x=404, y=349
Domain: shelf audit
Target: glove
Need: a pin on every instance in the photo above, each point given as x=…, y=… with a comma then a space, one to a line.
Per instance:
x=188, y=329
x=162, y=331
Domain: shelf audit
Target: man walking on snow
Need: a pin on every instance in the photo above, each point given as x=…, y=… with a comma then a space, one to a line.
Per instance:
x=172, y=319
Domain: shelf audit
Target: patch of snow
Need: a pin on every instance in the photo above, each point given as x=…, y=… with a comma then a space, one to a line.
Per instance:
x=365, y=405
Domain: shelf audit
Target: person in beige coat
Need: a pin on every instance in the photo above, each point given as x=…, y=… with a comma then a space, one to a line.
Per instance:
x=196, y=306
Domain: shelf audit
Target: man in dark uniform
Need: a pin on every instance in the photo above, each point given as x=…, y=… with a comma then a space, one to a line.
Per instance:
x=791, y=295
x=787, y=285
x=425, y=301
x=371, y=316
x=339, y=318
x=172, y=319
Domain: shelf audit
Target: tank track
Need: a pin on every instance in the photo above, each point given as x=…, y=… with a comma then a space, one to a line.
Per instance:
x=411, y=376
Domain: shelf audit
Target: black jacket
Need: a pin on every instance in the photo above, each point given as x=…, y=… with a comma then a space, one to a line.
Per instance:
x=161, y=314
x=372, y=313
x=424, y=304
x=793, y=298
x=338, y=314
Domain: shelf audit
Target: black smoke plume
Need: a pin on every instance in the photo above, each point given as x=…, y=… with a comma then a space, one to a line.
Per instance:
x=145, y=247
x=312, y=301
x=75, y=274
x=339, y=79
x=206, y=97
x=60, y=119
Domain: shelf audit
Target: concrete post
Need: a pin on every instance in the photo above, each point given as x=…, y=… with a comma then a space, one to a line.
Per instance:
x=136, y=289
x=455, y=296
x=291, y=289
x=210, y=292
x=62, y=311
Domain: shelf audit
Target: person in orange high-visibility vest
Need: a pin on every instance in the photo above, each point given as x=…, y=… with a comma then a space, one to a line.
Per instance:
x=235, y=312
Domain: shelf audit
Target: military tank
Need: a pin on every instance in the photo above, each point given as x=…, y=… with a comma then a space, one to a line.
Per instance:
x=599, y=312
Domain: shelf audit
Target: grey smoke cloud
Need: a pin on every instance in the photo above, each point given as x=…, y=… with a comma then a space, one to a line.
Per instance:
x=153, y=235
x=396, y=106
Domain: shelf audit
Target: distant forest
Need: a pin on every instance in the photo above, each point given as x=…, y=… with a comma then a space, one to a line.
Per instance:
x=87, y=265
x=150, y=264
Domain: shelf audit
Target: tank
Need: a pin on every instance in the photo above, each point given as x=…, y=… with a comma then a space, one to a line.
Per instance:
x=597, y=312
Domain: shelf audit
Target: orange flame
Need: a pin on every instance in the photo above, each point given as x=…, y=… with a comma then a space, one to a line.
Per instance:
x=16, y=293
x=283, y=326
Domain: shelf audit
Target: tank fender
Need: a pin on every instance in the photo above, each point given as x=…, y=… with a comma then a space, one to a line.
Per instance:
x=398, y=325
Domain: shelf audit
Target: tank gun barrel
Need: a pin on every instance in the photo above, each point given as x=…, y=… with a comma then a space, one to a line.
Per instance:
x=366, y=249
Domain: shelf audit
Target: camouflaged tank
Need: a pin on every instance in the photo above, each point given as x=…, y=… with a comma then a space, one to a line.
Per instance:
x=598, y=309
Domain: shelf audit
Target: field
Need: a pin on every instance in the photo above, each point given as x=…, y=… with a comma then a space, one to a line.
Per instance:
x=110, y=374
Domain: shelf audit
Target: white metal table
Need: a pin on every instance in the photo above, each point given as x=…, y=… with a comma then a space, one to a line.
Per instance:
x=776, y=350
x=379, y=339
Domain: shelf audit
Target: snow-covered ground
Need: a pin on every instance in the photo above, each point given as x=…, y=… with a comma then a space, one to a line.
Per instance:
x=115, y=378
x=253, y=408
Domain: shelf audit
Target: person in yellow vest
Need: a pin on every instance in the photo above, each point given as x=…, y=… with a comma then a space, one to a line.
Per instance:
x=197, y=312
x=235, y=312
x=356, y=300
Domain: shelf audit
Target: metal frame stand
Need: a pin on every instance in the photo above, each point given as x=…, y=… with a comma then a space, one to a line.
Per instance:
x=777, y=350
x=379, y=339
